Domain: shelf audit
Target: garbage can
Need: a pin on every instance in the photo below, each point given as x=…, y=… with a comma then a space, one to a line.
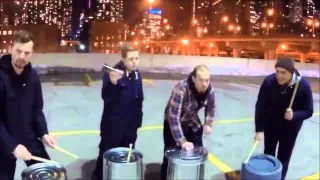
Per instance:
x=184, y=164
x=44, y=171
x=261, y=167
x=115, y=166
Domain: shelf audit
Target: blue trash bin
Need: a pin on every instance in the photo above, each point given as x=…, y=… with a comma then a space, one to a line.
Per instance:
x=261, y=167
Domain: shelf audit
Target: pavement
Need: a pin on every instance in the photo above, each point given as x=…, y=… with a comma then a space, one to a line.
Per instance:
x=73, y=112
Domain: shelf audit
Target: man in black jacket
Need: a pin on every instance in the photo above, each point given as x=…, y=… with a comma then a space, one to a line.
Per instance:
x=122, y=94
x=22, y=121
x=274, y=119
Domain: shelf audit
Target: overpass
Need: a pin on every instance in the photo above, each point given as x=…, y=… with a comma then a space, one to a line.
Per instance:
x=271, y=47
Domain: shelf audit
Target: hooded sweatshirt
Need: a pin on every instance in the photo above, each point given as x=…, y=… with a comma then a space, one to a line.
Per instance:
x=21, y=117
x=274, y=99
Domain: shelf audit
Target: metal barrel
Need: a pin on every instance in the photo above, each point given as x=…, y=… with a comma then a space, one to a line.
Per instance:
x=115, y=166
x=184, y=164
x=44, y=171
x=261, y=167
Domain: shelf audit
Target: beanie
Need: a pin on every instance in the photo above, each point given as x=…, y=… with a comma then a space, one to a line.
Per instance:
x=287, y=64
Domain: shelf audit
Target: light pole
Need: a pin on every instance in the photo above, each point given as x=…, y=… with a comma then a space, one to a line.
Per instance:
x=268, y=26
x=150, y=3
x=235, y=29
x=313, y=24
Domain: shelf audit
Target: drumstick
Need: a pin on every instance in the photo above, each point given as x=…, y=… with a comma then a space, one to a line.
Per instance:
x=65, y=152
x=129, y=154
x=113, y=69
x=43, y=160
x=251, y=152
x=294, y=94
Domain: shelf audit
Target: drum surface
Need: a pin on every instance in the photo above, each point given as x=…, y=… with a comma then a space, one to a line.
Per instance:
x=44, y=171
x=120, y=155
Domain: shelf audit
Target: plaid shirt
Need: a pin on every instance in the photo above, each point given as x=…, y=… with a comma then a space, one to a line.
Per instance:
x=182, y=110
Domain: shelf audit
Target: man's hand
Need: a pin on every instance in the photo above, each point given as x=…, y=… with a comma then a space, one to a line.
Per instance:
x=115, y=76
x=258, y=137
x=207, y=129
x=188, y=146
x=289, y=114
x=21, y=152
x=49, y=140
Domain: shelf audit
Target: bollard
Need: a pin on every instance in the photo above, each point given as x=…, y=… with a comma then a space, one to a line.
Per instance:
x=261, y=167
x=115, y=166
x=44, y=171
x=184, y=164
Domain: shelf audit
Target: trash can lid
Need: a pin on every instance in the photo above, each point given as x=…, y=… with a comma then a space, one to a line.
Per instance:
x=263, y=163
x=120, y=155
x=180, y=156
x=44, y=171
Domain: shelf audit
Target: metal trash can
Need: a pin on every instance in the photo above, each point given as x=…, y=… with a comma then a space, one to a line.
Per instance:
x=44, y=171
x=262, y=167
x=184, y=164
x=115, y=166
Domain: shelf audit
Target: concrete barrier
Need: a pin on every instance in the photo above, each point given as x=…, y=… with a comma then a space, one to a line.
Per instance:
x=166, y=63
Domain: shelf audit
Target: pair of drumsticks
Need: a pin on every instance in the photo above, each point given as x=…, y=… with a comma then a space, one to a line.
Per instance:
x=51, y=161
x=290, y=106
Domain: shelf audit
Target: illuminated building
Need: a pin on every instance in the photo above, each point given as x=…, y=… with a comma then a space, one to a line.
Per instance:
x=50, y=12
x=153, y=23
x=109, y=10
x=2, y=14
x=105, y=37
x=45, y=37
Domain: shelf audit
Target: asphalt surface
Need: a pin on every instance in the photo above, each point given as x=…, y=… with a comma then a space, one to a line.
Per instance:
x=73, y=112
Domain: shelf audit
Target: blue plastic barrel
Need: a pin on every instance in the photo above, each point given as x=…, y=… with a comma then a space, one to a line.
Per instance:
x=261, y=167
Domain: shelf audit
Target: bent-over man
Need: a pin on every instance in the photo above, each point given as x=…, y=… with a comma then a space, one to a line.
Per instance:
x=182, y=125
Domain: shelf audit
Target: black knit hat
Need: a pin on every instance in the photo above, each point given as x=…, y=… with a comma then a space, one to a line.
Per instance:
x=287, y=64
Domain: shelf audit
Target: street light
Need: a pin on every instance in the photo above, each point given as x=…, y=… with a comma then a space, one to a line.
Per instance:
x=234, y=29
x=314, y=24
x=270, y=12
x=150, y=3
x=267, y=26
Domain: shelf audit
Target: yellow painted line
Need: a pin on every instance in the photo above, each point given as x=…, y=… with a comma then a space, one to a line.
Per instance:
x=219, y=164
x=244, y=120
x=147, y=128
x=148, y=81
x=315, y=176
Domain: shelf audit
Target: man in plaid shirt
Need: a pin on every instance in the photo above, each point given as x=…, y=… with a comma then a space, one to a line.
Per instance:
x=182, y=125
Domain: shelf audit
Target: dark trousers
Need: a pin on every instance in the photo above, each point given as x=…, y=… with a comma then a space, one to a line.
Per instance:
x=285, y=134
x=8, y=161
x=109, y=140
x=169, y=142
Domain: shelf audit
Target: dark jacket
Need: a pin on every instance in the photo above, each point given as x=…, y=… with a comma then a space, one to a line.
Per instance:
x=21, y=117
x=274, y=99
x=123, y=101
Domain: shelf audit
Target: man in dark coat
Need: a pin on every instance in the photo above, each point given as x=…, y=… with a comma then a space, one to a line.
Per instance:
x=182, y=125
x=22, y=122
x=274, y=119
x=122, y=94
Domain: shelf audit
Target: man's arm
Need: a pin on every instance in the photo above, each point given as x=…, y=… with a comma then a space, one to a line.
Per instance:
x=5, y=138
x=175, y=108
x=210, y=109
x=109, y=90
x=40, y=120
x=307, y=103
x=260, y=112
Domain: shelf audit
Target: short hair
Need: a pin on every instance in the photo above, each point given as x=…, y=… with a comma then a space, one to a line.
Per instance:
x=22, y=36
x=198, y=68
x=125, y=49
